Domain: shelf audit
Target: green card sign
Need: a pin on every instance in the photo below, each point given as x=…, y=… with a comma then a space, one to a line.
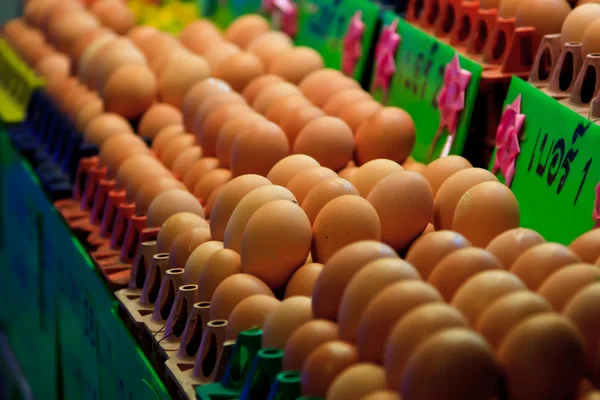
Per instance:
x=555, y=174
x=421, y=62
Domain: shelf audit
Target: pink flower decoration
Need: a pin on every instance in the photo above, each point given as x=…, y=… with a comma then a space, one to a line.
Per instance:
x=287, y=13
x=385, y=56
x=596, y=214
x=352, y=44
x=451, y=100
x=507, y=140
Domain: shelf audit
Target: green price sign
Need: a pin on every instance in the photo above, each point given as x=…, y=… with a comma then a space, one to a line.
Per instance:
x=555, y=175
x=421, y=61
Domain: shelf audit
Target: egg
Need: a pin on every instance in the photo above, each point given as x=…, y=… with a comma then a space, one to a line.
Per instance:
x=384, y=310
x=554, y=366
x=232, y=291
x=460, y=362
x=247, y=206
x=114, y=15
x=226, y=202
x=174, y=148
x=257, y=149
x=211, y=201
x=427, y=251
x=88, y=112
x=161, y=60
x=53, y=65
x=355, y=114
x=230, y=130
x=257, y=85
x=412, y=330
x=457, y=267
x=179, y=74
x=198, y=34
x=507, y=312
x=197, y=171
x=249, y=313
x=285, y=170
x=294, y=121
x=197, y=261
x=65, y=29
x=344, y=98
x=322, y=193
x=566, y=282
x=482, y=289
x=210, y=182
x=348, y=172
x=367, y=283
x=208, y=131
x=317, y=79
x=196, y=95
x=508, y=246
x=243, y=30
x=357, y=381
x=211, y=103
x=369, y=174
x=104, y=126
x=324, y=364
x=303, y=280
x=239, y=69
x=278, y=110
x=130, y=90
x=306, y=180
x=184, y=244
x=164, y=137
x=185, y=160
x=139, y=34
x=327, y=87
x=280, y=324
x=586, y=246
x=304, y=340
x=540, y=261
x=295, y=63
x=269, y=45
x=117, y=148
x=275, y=242
x=135, y=168
x=112, y=56
x=158, y=45
x=219, y=266
x=171, y=202
x=441, y=169
x=158, y=117
x=218, y=53
x=546, y=16
x=86, y=65
x=151, y=189
x=577, y=22
x=589, y=44
x=382, y=395
x=174, y=225
x=272, y=94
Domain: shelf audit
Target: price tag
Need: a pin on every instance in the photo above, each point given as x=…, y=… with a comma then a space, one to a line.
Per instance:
x=556, y=174
x=421, y=62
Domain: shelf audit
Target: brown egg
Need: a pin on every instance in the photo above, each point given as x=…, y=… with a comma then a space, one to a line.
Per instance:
x=323, y=192
x=507, y=8
x=150, y=189
x=344, y=98
x=554, y=365
x=388, y=133
x=219, y=266
x=348, y=172
x=286, y=169
x=218, y=53
x=269, y=45
x=197, y=34
x=293, y=121
x=367, y=283
x=272, y=94
x=117, y=148
x=54, y=65
x=412, y=330
x=130, y=90
x=208, y=131
x=138, y=34
x=65, y=29
x=441, y=169
x=254, y=88
x=427, y=251
x=566, y=282
x=369, y=174
x=324, y=364
x=577, y=22
x=339, y=270
x=197, y=261
x=303, y=280
x=239, y=69
x=384, y=310
x=159, y=44
x=589, y=43
x=328, y=88
x=356, y=382
x=546, y=16
x=481, y=290
x=136, y=167
x=88, y=112
x=87, y=65
x=211, y=201
x=586, y=246
x=212, y=103
x=485, y=211
x=174, y=225
x=157, y=118
x=257, y=149
x=296, y=63
x=112, y=56
x=226, y=202
x=304, y=340
x=180, y=73
x=355, y=114
x=328, y=140
x=278, y=110
x=382, y=395
x=342, y=221
x=161, y=60
x=507, y=312
x=540, y=261
x=592, y=395
x=275, y=242
x=184, y=244
x=508, y=246
x=246, y=28
x=306, y=180
x=104, y=126
x=457, y=267
x=196, y=95
x=175, y=148
x=149, y=172
x=185, y=160
x=114, y=15
x=210, y=182
x=231, y=129
x=402, y=199
x=246, y=208
x=232, y=291
x=459, y=360
x=289, y=315
x=250, y=313
x=198, y=170
x=318, y=79
x=172, y=202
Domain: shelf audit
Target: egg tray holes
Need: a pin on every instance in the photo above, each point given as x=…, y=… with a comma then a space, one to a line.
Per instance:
x=434, y=13
x=565, y=77
x=465, y=28
x=194, y=337
x=545, y=65
x=450, y=19
x=418, y=8
x=482, y=37
x=167, y=302
x=180, y=320
x=588, y=86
